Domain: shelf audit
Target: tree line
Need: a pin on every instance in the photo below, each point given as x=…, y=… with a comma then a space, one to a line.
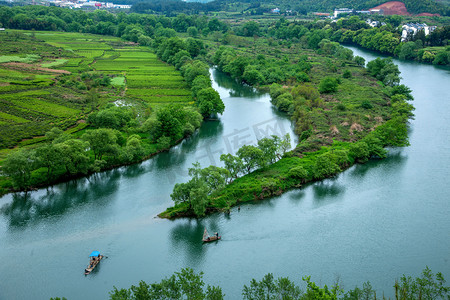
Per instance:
x=130, y=26
x=204, y=182
x=300, y=7
x=187, y=284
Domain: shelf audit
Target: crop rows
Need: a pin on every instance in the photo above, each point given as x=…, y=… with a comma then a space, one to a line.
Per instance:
x=159, y=92
x=12, y=118
x=165, y=99
x=55, y=63
x=152, y=81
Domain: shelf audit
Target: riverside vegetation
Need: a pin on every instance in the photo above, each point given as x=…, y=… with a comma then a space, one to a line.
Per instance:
x=187, y=284
x=342, y=112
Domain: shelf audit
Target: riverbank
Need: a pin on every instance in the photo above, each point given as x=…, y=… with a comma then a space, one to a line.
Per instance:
x=297, y=169
x=368, y=217
x=337, y=127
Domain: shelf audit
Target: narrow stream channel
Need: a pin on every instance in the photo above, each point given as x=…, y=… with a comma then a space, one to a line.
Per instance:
x=373, y=222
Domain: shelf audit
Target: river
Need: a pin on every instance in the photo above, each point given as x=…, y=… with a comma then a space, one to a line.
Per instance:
x=372, y=222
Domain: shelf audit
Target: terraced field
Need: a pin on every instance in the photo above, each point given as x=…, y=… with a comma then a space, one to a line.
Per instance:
x=35, y=94
x=146, y=77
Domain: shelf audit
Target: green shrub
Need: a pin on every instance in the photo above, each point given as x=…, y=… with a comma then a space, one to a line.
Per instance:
x=298, y=173
x=366, y=104
x=328, y=85
x=347, y=74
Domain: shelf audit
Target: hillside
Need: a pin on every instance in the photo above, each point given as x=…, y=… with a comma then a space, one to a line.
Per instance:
x=393, y=8
x=301, y=6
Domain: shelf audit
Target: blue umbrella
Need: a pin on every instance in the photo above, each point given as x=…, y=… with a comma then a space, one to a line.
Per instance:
x=95, y=253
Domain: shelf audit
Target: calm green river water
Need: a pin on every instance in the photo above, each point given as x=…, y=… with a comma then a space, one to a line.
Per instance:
x=373, y=222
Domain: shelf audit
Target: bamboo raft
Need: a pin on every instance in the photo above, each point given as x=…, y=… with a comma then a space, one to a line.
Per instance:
x=207, y=238
x=94, y=260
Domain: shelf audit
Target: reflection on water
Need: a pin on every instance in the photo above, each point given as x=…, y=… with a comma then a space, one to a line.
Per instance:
x=177, y=156
x=210, y=129
x=296, y=195
x=133, y=171
x=392, y=163
x=235, y=89
x=187, y=237
x=30, y=208
x=327, y=189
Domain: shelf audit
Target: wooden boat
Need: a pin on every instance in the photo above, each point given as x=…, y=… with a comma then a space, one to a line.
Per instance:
x=94, y=260
x=207, y=238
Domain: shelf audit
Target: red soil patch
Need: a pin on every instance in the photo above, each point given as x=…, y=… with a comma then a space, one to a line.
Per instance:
x=393, y=8
x=399, y=8
x=428, y=15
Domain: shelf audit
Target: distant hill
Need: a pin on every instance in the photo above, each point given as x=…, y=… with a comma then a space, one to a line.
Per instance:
x=303, y=6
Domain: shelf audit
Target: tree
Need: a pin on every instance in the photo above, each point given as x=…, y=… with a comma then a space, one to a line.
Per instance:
x=347, y=74
x=102, y=141
x=250, y=28
x=315, y=292
x=233, y=164
x=18, y=166
x=75, y=156
x=181, y=193
x=50, y=157
x=408, y=51
x=209, y=102
x=56, y=135
x=251, y=156
x=402, y=89
x=427, y=286
x=168, y=123
x=269, y=147
x=134, y=149
x=442, y=58
x=199, y=197
x=185, y=284
x=215, y=177
x=194, y=47
x=193, y=69
x=384, y=70
x=200, y=82
x=269, y=288
x=192, y=31
x=360, y=61
x=360, y=151
x=284, y=102
x=284, y=145
x=112, y=117
x=253, y=76
x=195, y=192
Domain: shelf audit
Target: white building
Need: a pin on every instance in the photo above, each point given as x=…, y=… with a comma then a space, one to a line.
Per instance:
x=339, y=11
x=374, y=23
x=411, y=29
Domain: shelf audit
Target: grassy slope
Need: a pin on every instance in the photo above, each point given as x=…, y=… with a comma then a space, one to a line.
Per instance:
x=33, y=101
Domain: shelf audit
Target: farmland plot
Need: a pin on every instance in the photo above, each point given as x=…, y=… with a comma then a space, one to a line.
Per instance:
x=32, y=102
